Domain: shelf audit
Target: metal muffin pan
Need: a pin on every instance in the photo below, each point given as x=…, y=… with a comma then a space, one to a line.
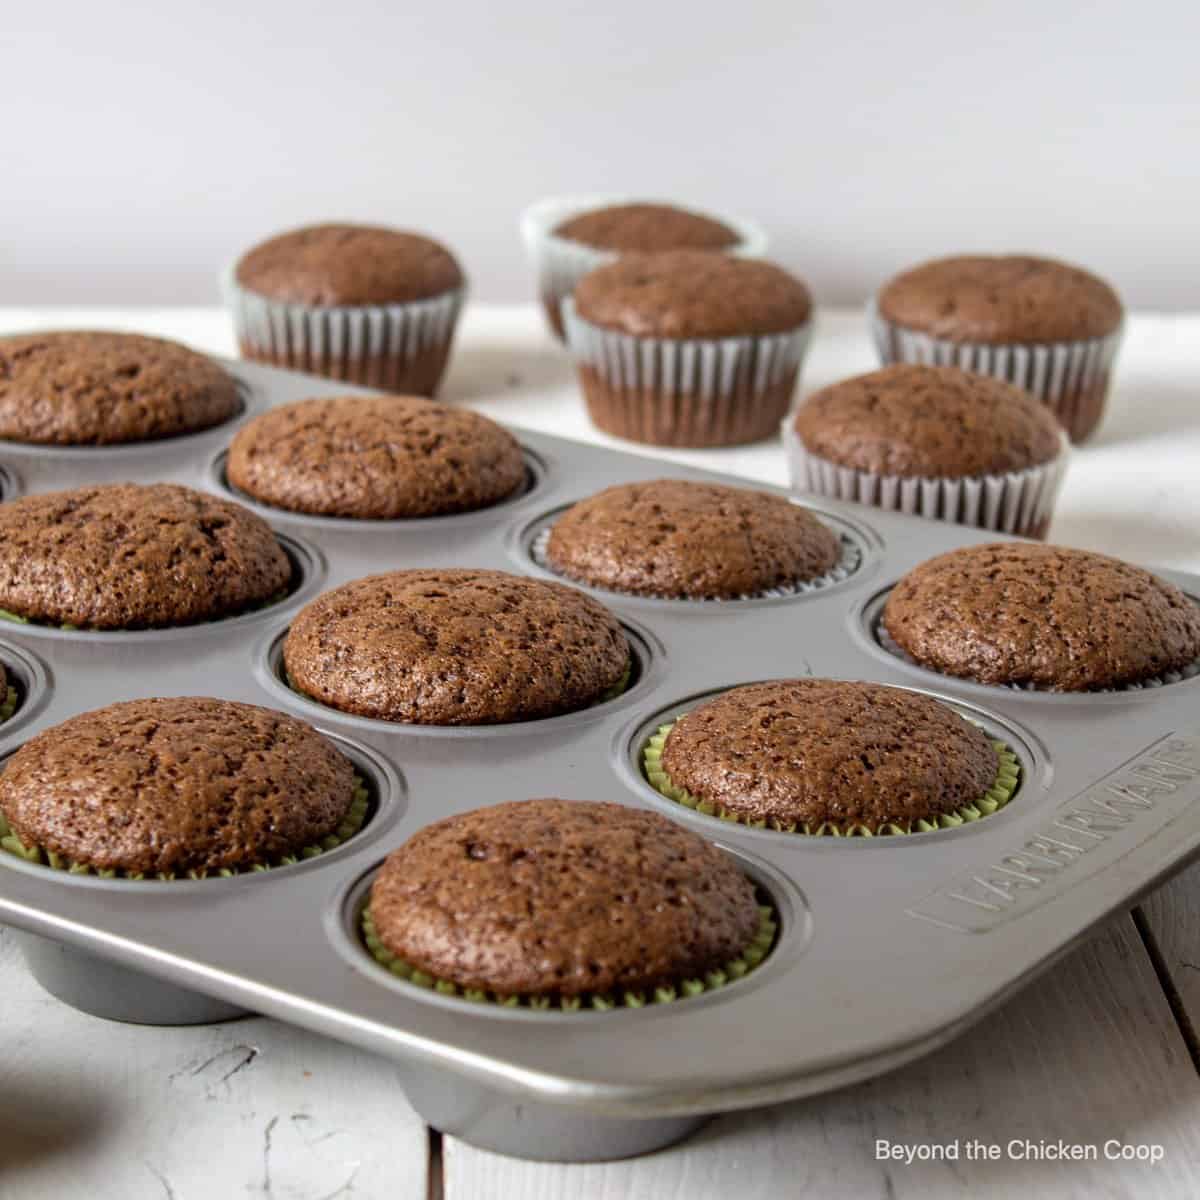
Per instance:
x=888, y=946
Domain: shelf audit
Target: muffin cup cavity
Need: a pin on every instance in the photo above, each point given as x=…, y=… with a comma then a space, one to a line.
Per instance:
x=397, y=347
x=686, y=391
x=536, y=471
x=1015, y=502
x=561, y=263
x=1008, y=776
x=1070, y=378
x=27, y=689
x=751, y=957
x=536, y=539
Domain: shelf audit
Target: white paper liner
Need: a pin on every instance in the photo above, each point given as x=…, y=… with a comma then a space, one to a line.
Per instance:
x=1016, y=502
x=1063, y=375
x=848, y=562
x=1155, y=681
x=560, y=263
x=331, y=339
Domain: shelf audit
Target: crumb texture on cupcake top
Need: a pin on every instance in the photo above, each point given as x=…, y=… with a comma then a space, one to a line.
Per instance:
x=646, y=227
x=930, y=422
x=455, y=646
x=1042, y=616
x=692, y=294
x=562, y=898
x=336, y=264
x=135, y=556
x=813, y=751
x=375, y=457
x=93, y=388
x=676, y=538
x=176, y=785
x=999, y=299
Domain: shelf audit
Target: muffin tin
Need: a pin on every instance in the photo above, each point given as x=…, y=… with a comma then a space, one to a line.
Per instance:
x=888, y=946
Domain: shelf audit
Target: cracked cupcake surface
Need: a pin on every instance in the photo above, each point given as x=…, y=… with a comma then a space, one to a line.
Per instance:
x=1042, y=616
x=375, y=457
x=135, y=556
x=678, y=538
x=829, y=753
x=558, y=899
x=455, y=646
x=174, y=786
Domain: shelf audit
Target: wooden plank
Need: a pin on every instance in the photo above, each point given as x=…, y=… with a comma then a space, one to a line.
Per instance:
x=1088, y=1053
x=1171, y=920
x=248, y=1108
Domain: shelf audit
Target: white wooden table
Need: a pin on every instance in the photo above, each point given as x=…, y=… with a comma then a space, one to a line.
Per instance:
x=1101, y=1047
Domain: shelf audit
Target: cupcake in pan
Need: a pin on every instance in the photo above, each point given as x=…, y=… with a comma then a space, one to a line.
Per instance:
x=90, y=388
x=688, y=347
x=569, y=236
x=1043, y=617
x=176, y=788
x=10, y=698
x=356, y=302
x=565, y=904
x=1046, y=326
x=677, y=539
x=456, y=646
x=375, y=458
x=933, y=442
x=135, y=556
x=825, y=756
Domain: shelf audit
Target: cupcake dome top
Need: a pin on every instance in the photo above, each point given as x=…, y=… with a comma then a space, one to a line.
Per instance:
x=692, y=294
x=376, y=457
x=646, y=227
x=176, y=785
x=674, y=537
x=455, y=646
x=931, y=422
x=341, y=264
x=1043, y=616
x=1000, y=299
x=810, y=752
x=561, y=898
x=134, y=556
x=94, y=388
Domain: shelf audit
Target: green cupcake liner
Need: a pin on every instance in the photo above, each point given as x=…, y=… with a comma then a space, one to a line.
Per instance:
x=352, y=822
x=997, y=796
x=750, y=958
x=67, y=627
x=11, y=700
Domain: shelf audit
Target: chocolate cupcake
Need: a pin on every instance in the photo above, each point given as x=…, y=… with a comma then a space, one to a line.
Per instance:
x=1048, y=327
x=934, y=442
x=9, y=697
x=133, y=556
x=688, y=348
x=375, y=458
x=456, y=647
x=569, y=236
x=167, y=788
x=355, y=302
x=101, y=389
x=825, y=756
x=1044, y=617
x=564, y=904
x=683, y=540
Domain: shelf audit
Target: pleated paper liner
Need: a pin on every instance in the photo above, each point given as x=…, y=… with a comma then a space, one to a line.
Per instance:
x=1070, y=378
x=350, y=825
x=1016, y=502
x=848, y=562
x=561, y=263
x=746, y=962
x=399, y=347
x=1155, y=681
x=9, y=705
x=997, y=796
x=686, y=391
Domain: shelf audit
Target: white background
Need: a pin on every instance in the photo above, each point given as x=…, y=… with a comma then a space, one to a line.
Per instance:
x=144, y=143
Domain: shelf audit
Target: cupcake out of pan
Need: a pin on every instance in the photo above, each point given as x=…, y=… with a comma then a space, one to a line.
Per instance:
x=1023, y=769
